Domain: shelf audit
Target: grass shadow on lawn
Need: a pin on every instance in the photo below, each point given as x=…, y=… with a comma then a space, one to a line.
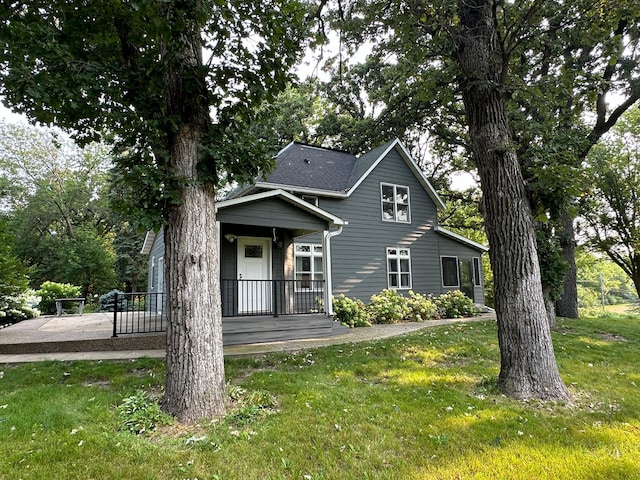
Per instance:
x=418, y=406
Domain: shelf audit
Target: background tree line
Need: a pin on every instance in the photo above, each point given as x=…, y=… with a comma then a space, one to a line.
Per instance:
x=56, y=213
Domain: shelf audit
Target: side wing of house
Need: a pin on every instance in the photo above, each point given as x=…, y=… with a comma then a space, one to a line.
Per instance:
x=154, y=247
x=461, y=265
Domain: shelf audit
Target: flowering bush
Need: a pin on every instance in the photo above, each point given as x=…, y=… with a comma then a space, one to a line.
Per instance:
x=455, y=304
x=392, y=307
x=350, y=312
x=388, y=307
x=420, y=307
x=49, y=291
x=19, y=307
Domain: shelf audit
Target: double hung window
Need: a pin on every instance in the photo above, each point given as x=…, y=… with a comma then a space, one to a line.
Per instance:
x=308, y=266
x=395, y=203
x=398, y=268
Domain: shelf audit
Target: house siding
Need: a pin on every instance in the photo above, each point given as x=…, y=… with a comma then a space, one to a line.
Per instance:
x=276, y=213
x=155, y=256
x=359, y=262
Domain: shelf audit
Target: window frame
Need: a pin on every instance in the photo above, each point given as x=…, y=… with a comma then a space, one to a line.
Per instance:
x=395, y=203
x=153, y=274
x=457, y=264
x=398, y=273
x=477, y=269
x=312, y=254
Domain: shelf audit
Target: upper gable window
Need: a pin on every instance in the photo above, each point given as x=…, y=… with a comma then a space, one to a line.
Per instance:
x=313, y=200
x=395, y=203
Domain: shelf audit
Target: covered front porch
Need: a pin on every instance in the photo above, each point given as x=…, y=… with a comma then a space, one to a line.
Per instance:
x=261, y=271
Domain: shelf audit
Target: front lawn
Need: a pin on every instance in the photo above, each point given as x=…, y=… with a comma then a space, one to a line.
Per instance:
x=414, y=407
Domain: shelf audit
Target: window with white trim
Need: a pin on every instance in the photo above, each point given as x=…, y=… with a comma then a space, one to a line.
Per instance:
x=398, y=268
x=476, y=271
x=395, y=203
x=450, y=273
x=308, y=266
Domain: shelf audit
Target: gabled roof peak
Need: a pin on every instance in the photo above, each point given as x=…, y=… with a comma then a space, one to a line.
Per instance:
x=308, y=168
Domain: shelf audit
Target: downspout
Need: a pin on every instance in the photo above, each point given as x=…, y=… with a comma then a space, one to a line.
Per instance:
x=326, y=260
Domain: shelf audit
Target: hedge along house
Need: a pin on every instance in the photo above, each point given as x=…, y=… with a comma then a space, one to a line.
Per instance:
x=325, y=223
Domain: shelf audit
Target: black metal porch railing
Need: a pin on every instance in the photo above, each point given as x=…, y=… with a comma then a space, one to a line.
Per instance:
x=145, y=312
x=271, y=297
x=139, y=312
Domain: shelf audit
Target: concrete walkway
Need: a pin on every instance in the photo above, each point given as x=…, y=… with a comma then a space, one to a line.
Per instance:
x=96, y=326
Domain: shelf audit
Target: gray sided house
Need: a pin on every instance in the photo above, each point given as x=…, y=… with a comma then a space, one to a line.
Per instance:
x=327, y=223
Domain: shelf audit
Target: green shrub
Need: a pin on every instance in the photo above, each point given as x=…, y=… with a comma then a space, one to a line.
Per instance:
x=350, y=312
x=455, y=304
x=420, y=307
x=140, y=413
x=108, y=301
x=388, y=307
x=49, y=291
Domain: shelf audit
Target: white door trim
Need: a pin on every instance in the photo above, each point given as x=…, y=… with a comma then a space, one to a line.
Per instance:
x=254, y=296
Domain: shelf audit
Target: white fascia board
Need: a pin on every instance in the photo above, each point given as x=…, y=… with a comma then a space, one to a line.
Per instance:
x=148, y=242
x=298, y=202
x=307, y=191
x=404, y=153
x=285, y=148
x=461, y=239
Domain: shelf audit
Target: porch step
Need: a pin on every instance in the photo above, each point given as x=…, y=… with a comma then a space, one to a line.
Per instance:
x=244, y=330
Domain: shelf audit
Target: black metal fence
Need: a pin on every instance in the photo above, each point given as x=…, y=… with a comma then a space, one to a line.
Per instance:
x=140, y=312
x=145, y=312
x=271, y=297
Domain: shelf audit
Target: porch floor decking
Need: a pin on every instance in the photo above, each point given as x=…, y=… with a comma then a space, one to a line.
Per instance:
x=93, y=332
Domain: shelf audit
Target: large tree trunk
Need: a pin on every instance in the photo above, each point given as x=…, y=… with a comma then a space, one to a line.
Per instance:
x=567, y=304
x=195, y=383
x=550, y=306
x=528, y=367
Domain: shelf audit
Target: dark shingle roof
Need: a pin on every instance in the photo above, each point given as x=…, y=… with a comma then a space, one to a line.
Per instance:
x=319, y=168
x=365, y=161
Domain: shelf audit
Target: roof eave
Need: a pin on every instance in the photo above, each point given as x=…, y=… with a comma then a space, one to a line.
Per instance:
x=303, y=190
x=461, y=239
x=148, y=242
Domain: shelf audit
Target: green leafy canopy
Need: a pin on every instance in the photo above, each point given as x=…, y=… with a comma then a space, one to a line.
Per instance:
x=101, y=69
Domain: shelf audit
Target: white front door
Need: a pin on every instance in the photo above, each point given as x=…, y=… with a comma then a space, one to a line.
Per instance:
x=254, y=261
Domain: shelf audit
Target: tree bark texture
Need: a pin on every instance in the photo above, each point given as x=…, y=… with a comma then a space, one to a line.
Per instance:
x=567, y=304
x=527, y=362
x=195, y=384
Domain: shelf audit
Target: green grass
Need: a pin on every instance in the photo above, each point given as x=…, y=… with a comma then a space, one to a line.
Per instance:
x=413, y=407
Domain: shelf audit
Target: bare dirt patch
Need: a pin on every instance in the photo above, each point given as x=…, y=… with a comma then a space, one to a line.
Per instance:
x=612, y=338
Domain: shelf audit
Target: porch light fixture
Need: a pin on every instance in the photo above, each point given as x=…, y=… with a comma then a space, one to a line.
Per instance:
x=230, y=237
